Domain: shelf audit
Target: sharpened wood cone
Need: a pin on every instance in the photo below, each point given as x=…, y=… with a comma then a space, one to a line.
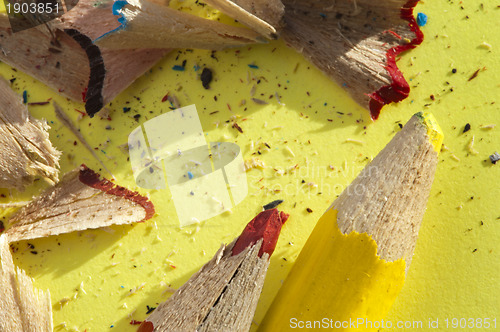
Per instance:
x=354, y=263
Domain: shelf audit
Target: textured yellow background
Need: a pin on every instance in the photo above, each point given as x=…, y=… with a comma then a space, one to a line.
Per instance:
x=454, y=272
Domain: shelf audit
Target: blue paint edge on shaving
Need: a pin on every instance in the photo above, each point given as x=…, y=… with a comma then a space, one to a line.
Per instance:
x=117, y=7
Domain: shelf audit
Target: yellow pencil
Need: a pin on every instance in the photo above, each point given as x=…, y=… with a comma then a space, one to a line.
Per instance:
x=353, y=265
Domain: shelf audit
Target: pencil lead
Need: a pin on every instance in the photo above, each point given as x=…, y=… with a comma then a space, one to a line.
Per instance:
x=266, y=226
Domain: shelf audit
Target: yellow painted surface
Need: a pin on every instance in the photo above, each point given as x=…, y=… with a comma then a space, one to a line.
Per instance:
x=434, y=131
x=454, y=273
x=338, y=282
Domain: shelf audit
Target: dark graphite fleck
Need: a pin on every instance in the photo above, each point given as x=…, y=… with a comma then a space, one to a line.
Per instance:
x=273, y=204
x=206, y=78
x=466, y=128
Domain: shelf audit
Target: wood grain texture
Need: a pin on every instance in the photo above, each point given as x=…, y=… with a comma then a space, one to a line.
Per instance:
x=25, y=149
x=150, y=24
x=23, y=307
x=221, y=296
x=264, y=17
x=236, y=306
x=348, y=40
x=70, y=206
x=387, y=199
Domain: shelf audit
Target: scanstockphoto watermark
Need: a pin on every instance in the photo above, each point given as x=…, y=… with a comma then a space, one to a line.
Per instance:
x=483, y=323
x=357, y=323
x=204, y=178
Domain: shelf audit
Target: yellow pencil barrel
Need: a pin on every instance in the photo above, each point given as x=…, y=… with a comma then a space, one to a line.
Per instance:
x=354, y=263
x=338, y=282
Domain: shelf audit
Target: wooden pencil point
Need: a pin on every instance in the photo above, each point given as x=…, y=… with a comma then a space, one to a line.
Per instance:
x=388, y=198
x=223, y=294
x=354, y=263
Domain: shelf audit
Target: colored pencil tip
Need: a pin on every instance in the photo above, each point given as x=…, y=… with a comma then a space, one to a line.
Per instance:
x=266, y=226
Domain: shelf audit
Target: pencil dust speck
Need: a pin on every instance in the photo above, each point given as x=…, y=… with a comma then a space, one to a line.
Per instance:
x=237, y=127
x=206, y=78
x=259, y=101
x=495, y=157
x=466, y=128
x=165, y=98
x=421, y=19
x=473, y=76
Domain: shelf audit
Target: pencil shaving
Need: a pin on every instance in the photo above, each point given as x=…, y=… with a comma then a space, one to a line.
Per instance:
x=146, y=24
x=264, y=17
x=24, y=307
x=60, y=54
x=355, y=43
x=81, y=200
x=26, y=151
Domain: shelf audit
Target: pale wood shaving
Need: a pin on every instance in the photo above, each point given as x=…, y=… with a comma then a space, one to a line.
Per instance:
x=64, y=66
x=253, y=163
x=25, y=149
x=263, y=16
x=152, y=25
x=23, y=307
x=72, y=206
x=347, y=40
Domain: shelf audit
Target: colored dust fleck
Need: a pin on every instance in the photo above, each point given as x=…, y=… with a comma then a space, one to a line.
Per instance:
x=421, y=19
